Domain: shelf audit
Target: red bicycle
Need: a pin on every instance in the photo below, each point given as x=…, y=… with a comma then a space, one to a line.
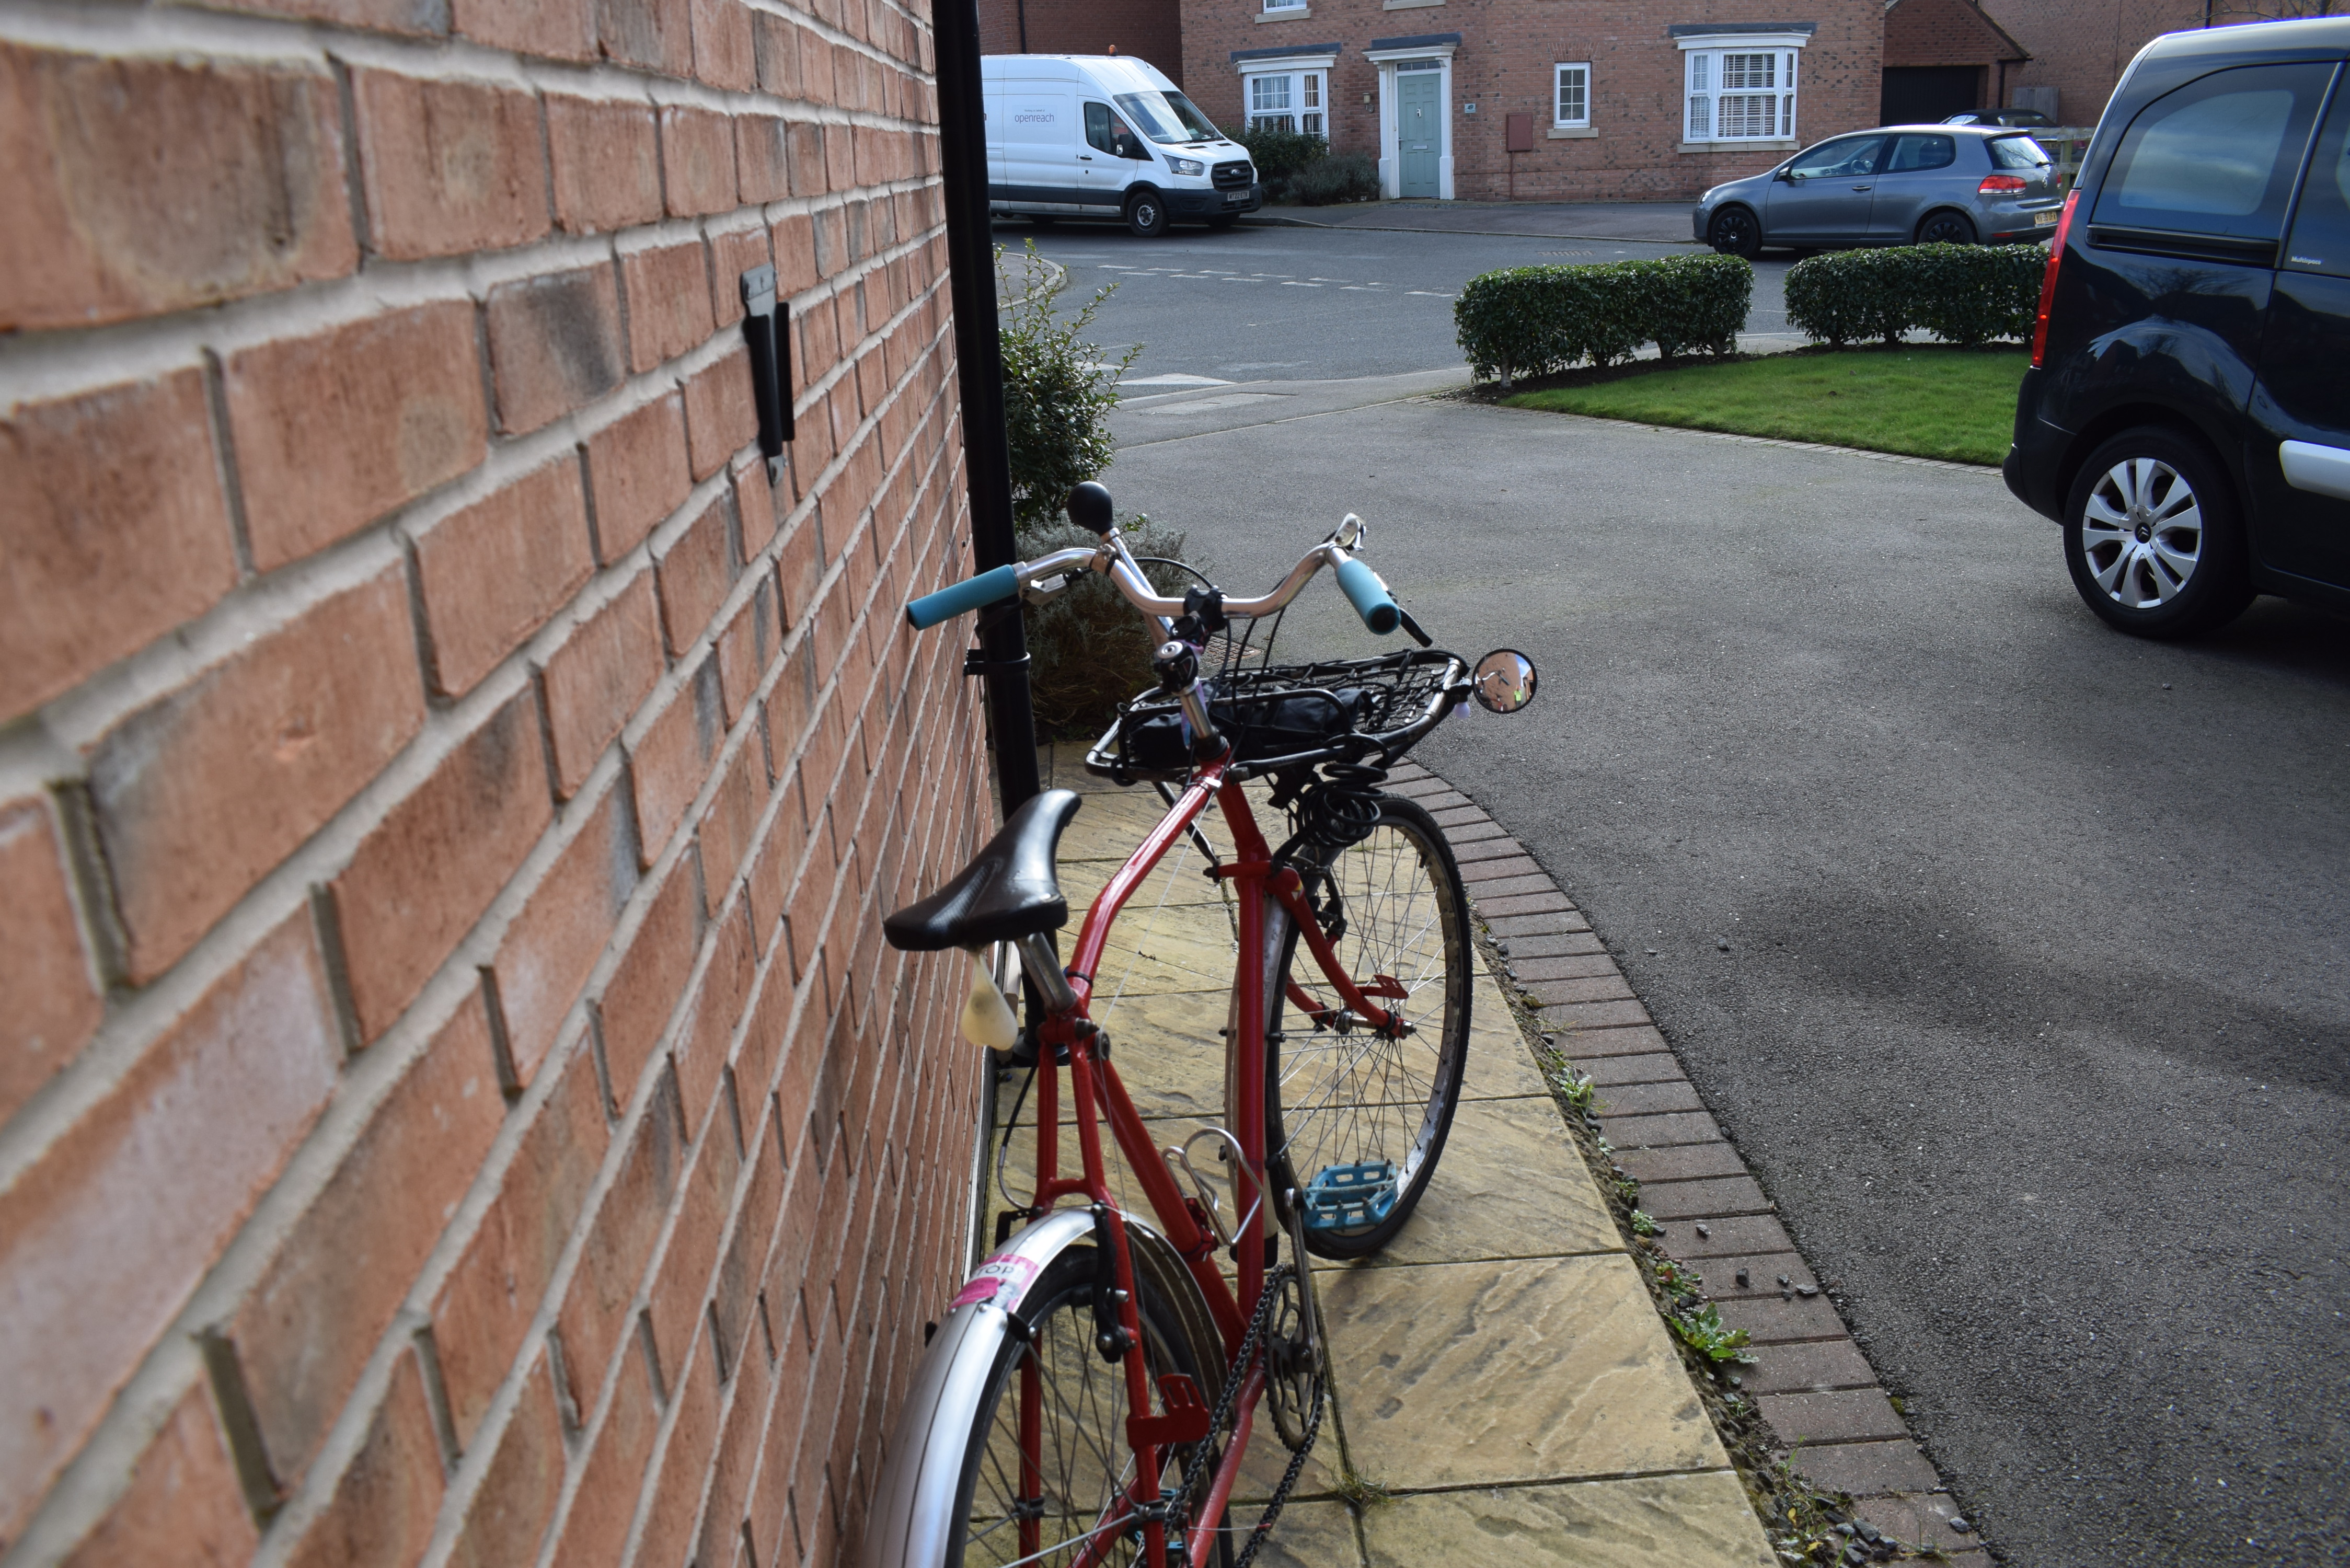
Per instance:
x=1090, y=1396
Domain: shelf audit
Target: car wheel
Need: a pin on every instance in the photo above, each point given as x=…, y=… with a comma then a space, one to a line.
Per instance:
x=1735, y=232
x=1946, y=229
x=1146, y=214
x=1043, y=220
x=2152, y=536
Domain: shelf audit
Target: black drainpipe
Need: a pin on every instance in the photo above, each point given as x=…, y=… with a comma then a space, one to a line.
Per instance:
x=979, y=362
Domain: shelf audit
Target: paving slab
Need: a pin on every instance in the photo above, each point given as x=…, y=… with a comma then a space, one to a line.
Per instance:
x=1646, y=1521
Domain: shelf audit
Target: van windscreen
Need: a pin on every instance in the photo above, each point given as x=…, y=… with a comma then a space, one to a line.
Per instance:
x=1168, y=116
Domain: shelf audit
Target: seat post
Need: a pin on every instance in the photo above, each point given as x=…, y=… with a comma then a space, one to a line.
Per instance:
x=1040, y=959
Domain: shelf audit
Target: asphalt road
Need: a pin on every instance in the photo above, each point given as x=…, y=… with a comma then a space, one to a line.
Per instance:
x=2035, y=1004
x=1282, y=304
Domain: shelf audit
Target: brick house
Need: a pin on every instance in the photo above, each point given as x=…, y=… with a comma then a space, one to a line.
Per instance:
x=1941, y=57
x=454, y=1097
x=2079, y=48
x=1613, y=99
x=1151, y=30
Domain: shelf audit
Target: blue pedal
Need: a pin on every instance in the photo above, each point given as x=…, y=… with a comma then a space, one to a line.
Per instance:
x=1350, y=1197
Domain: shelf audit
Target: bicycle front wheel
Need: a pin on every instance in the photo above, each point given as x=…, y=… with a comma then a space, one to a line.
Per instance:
x=1356, y=1116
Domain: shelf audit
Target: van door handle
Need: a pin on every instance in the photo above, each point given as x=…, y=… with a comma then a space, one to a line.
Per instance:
x=1085, y=158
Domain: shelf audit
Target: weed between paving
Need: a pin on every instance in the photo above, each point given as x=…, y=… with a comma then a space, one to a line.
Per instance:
x=1917, y=399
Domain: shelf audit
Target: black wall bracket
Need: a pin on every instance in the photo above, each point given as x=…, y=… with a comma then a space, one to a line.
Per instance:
x=767, y=329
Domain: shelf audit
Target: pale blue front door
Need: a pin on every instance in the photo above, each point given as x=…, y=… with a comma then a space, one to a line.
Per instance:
x=1419, y=132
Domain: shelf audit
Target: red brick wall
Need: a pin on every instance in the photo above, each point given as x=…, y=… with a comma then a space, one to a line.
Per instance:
x=453, y=1095
x=1149, y=30
x=1942, y=33
x=1503, y=66
x=2081, y=47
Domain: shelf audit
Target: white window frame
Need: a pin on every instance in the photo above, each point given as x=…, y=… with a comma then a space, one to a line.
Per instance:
x=1285, y=5
x=1558, y=116
x=1709, y=59
x=1304, y=89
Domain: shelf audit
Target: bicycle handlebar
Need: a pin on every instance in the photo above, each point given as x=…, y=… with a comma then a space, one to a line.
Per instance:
x=1362, y=587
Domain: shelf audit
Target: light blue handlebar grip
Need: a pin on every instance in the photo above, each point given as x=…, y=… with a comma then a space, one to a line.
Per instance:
x=987, y=587
x=1369, y=596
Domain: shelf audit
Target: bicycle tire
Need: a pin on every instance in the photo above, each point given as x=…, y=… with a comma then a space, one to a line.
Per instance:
x=943, y=1500
x=1335, y=1098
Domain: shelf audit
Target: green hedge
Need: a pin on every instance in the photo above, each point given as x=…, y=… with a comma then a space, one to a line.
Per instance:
x=1534, y=320
x=1961, y=293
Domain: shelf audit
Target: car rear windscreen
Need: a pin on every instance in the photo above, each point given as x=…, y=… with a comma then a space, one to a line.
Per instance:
x=2017, y=152
x=2217, y=156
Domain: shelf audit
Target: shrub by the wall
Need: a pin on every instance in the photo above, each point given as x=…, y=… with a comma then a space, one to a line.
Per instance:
x=1088, y=650
x=1961, y=293
x=1279, y=156
x=1535, y=320
x=1057, y=391
x=1343, y=177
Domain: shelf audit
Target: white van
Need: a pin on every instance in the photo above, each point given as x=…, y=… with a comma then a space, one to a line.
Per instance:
x=1102, y=135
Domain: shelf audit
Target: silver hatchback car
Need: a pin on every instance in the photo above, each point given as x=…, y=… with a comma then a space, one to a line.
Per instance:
x=1897, y=185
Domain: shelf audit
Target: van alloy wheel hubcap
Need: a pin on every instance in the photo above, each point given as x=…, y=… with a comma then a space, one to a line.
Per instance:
x=2142, y=532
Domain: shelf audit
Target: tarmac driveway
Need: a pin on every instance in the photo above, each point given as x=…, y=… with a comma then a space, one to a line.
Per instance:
x=2011, y=951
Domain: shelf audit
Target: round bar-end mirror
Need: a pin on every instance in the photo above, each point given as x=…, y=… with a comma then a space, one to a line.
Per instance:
x=1504, y=681
x=1352, y=532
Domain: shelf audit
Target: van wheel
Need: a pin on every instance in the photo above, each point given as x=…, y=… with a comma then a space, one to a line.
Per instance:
x=1946, y=229
x=2152, y=536
x=1146, y=214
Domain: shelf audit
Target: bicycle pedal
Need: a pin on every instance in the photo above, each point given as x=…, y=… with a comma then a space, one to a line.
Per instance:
x=1350, y=1197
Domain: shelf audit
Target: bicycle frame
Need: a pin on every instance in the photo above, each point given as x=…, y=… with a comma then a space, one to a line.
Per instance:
x=1097, y=1092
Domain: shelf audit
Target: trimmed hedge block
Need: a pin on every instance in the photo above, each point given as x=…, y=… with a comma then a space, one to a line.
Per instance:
x=1534, y=320
x=1960, y=294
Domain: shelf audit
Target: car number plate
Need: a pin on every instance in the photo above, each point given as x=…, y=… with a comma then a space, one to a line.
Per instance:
x=2046, y=220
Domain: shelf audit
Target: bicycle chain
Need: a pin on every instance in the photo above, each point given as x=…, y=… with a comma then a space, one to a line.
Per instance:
x=1234, y=1377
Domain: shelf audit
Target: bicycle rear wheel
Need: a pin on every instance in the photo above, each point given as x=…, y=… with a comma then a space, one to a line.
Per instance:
x=1342, y=1099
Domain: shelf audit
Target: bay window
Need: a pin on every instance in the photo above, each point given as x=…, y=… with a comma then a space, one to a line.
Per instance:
x=1739, y=87
x=1287, y=100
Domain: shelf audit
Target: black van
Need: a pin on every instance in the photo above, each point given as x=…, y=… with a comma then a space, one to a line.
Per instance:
x=2187, y=415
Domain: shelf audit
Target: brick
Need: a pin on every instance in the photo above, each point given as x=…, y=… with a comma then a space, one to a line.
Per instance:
x=1807, y=1364
x=643, y=993
x=594, y=1320
x=1579, y=966
x=604, y=1503
x=448, y=166
x=734, y=251
x=763, y=170
x=510, y=1509
x=308, y=1328
x=380, y=1512
x=775, y=50
x=1921, y=1519
x=1589, y=1045
x=655, y=33
x=1731, y=1236
x=799, y=572
x=1478, y=852
x=722, y=55
x=414, y=17
x=130, y=1205
x=1866, y=1469
x=1768, y=1319
x=1659, y=1131
x=486, y=1304
x=721, y=417
x=1846, y=1415
x=1656, y=1068
x=719, y=998
x=1682, y=1162
x=561, y=29
x=561, y=932
x=334, y=430
x=597, y=677
x=794, y=241
x=1570, y=1017
x=668, y=302
x=53, y=999
x=675, y=1493
x=1649, y=1099
x=679, y=1291
x=697, y=160
x=669, y=764
x=1704, y=1200
x=84, y=586
x=201, y=793
x=1538, y=902
x=1512, y=927
x=728, y=828
x=184, y=1503
x=745, y=645
x=1606, y=989
x=695, y=573
x=492, y=575
x=554, y=345
x=1763, y=1272
x=425, y=875
x=606, y=163
x=226, y=181
x=637, y=474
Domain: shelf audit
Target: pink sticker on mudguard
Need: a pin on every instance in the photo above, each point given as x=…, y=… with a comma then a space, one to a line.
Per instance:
x=1007, y=1273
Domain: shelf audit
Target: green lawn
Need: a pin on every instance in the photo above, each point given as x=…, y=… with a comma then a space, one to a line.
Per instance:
x=1957, y=404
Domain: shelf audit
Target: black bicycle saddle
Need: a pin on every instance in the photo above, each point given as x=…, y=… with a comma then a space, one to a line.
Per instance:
x=1010, y=889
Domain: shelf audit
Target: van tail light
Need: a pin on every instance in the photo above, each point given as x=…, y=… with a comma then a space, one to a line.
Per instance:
x=2001, y=185
x=2048, y=279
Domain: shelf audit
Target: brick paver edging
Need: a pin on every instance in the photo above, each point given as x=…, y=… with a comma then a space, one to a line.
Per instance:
x=1812, y=1383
